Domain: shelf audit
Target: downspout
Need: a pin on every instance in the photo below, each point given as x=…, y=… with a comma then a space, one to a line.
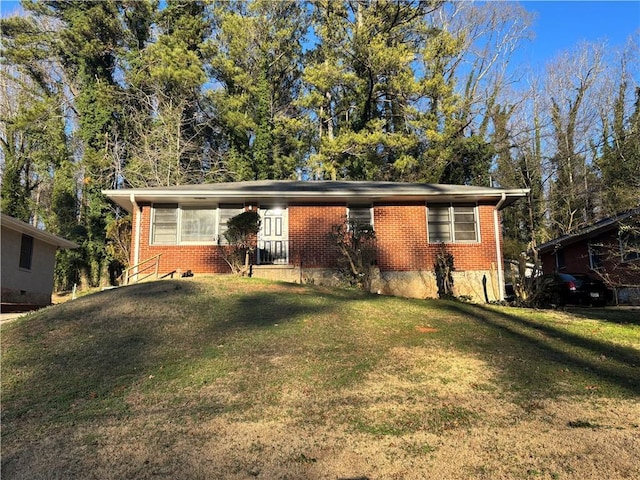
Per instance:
x=136, y=236
x=496, y=226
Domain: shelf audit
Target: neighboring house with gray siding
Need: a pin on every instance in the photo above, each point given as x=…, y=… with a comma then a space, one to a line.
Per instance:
x=28, y=261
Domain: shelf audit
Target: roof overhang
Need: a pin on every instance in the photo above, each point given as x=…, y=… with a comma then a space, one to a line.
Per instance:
x=286, y=192
x=598, y=228
x=46, y=237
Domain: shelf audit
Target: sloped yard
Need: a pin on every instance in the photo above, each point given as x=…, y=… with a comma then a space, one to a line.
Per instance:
x=226, y=378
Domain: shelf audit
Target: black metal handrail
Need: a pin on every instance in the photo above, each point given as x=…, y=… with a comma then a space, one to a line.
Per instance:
x=272, y=252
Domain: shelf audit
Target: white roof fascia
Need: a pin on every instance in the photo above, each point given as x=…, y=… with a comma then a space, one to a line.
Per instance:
x=307, y=191
x=46, y=237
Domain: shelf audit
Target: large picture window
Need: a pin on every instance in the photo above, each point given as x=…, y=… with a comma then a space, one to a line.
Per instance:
x=452, y=223
x=172, y=224
x=198, y=225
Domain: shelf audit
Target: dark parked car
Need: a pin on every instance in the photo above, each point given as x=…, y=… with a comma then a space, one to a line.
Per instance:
x=559, y=289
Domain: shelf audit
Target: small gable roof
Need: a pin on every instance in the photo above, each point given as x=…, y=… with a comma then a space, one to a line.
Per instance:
x=46, y=237
x=269, y=191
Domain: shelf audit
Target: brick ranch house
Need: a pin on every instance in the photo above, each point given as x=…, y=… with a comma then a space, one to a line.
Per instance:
x=600, y=250
x=412, y=221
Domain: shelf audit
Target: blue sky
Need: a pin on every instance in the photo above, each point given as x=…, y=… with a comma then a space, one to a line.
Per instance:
x=561, y=25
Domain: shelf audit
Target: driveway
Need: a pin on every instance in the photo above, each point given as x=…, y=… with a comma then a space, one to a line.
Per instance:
x=8, y=317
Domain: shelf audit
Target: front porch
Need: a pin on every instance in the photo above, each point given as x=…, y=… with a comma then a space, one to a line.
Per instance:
x=272, y=252
x=280, y=273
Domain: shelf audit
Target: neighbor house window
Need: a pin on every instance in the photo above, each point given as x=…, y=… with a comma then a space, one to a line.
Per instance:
x=225, y=213
x=560, y=262
x=596, y=256
x=172, y=224
x=361, y=215
x=26, y=251
x=452, y=223
x=630, y=247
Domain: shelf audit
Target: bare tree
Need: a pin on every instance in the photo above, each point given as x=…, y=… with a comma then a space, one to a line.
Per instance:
x=490, y=33
x=162, y=149
x=573, y=114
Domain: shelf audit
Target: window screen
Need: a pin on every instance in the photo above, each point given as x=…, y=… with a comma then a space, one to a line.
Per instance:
x=596, y=256
x=165, y=224
x=439, y=220
x=464, y=222
x=447, y=223
x=360, y=215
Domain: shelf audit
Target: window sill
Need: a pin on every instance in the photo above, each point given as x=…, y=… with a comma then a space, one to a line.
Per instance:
x=455, y=243
x=185, y=244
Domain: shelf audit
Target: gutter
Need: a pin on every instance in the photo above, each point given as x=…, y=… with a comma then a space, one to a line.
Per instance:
x=136, y=245
x=496, y=227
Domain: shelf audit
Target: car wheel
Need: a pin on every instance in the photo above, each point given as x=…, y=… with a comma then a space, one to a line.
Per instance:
x=556, y=300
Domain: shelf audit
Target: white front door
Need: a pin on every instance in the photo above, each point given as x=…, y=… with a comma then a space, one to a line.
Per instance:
x=273, y=239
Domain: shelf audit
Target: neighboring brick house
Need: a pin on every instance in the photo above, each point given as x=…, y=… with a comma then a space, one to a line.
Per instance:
x=185, y=224
x=600, y=250
x=28, y=261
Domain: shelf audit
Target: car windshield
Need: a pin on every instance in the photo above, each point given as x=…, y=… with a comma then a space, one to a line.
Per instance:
x=587, y=280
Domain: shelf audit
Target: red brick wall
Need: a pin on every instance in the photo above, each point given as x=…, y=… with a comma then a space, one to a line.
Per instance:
x=401, y=232
x=309, y=229
x=197, y=258
x=401, y=237
x=576, y=259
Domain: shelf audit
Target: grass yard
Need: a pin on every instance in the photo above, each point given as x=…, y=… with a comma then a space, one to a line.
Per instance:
x=229, y=378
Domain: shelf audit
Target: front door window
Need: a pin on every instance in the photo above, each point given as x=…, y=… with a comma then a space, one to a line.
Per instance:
x=273, y=239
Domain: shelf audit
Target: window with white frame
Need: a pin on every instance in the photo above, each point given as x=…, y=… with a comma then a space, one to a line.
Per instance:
x=197, y=225
x=452, y=223
x=361, y=215
x=173, y=224
x=164, y=224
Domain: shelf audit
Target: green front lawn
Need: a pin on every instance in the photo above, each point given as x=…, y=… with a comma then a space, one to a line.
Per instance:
x=224, y=377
